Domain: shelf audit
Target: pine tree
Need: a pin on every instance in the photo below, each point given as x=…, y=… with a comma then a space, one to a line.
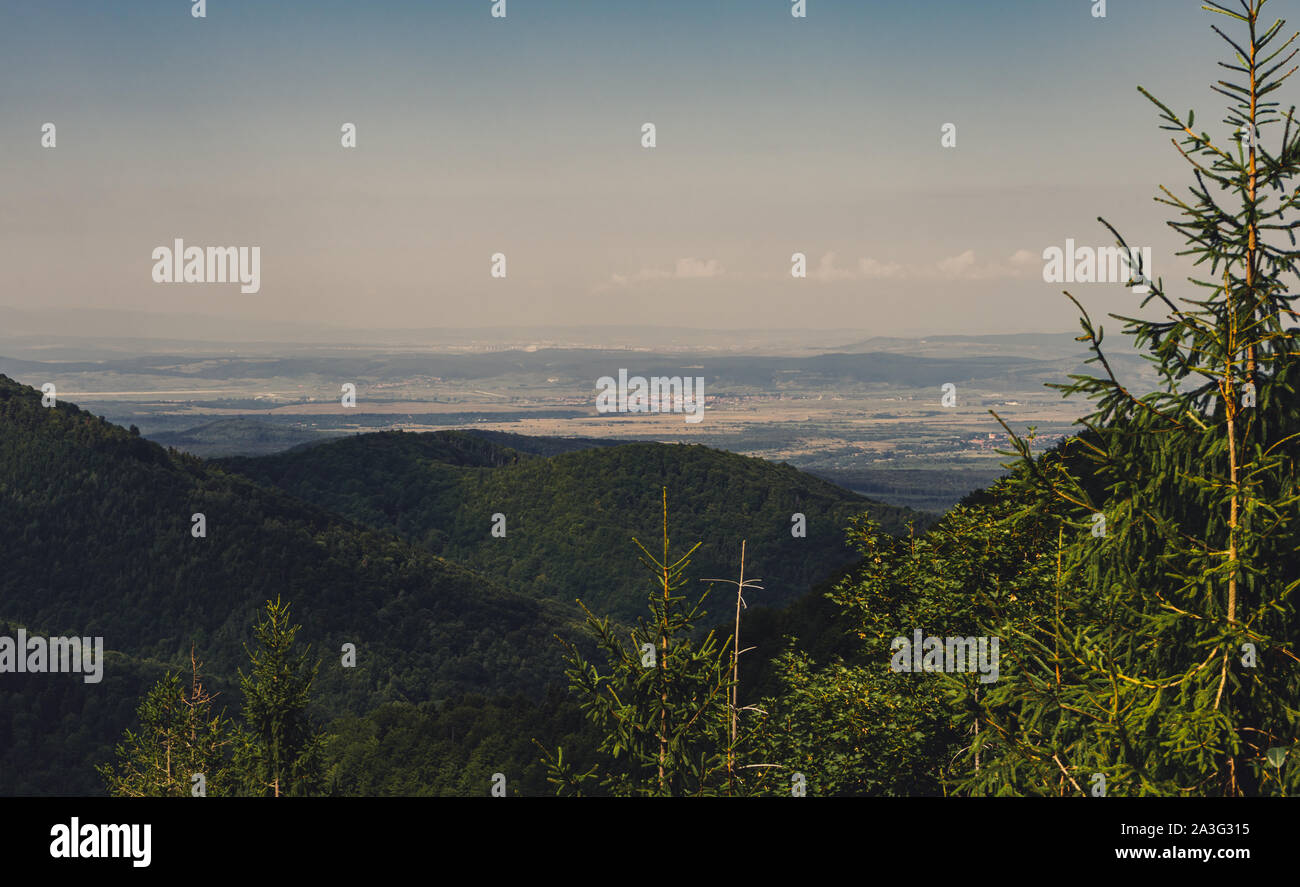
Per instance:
x=1167, y=663
x=179, y=739
x=662, y=706
x=278, y=750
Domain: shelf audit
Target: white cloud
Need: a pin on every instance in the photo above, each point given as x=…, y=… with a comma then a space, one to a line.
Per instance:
x=874, y=270
x=965, y=266
x=1023, y=258
x=959, y=266
x=867, y=269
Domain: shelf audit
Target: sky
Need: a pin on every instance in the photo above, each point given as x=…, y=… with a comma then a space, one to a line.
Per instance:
x=522, y=136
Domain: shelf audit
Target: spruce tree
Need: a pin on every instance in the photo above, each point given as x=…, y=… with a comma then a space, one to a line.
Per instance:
x=1167, y=662
x=662, y=706
x=179, y=738
x=278, y=751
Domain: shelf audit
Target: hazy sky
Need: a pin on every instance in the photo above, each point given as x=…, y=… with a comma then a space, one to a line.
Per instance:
x=522, y=136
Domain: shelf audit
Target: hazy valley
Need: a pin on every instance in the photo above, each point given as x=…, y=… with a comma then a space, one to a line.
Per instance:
x=867, y=414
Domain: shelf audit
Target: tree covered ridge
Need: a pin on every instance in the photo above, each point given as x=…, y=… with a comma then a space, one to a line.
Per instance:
x=567, y=513
x=99, y=543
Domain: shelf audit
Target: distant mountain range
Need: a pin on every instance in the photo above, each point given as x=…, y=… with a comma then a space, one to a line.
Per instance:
x=52, y=326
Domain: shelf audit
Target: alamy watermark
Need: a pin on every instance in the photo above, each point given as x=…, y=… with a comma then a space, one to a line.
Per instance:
x=40, y=655
x=1104, y=264
x=90, y=841
x=658, y=394
x=946, y=654
x=214, y=264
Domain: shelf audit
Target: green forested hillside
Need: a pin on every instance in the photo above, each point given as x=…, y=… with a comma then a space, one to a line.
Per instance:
x=98, y=542
x=98, y=524
x=569, y=517
x=53, y=727
x=453, y=749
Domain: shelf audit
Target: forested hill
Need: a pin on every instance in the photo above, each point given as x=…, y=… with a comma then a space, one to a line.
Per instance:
x=97, y=534
x=569, y=518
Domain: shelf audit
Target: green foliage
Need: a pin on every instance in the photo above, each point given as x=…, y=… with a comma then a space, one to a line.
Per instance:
x=1157, y=651
x=1140, y=670
x=564, y=512
x=278, y=750
x=53, y=729
x=179, y=737
x=98, y=542
x=662, y=706
x=851, y=725
x=452, y=749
